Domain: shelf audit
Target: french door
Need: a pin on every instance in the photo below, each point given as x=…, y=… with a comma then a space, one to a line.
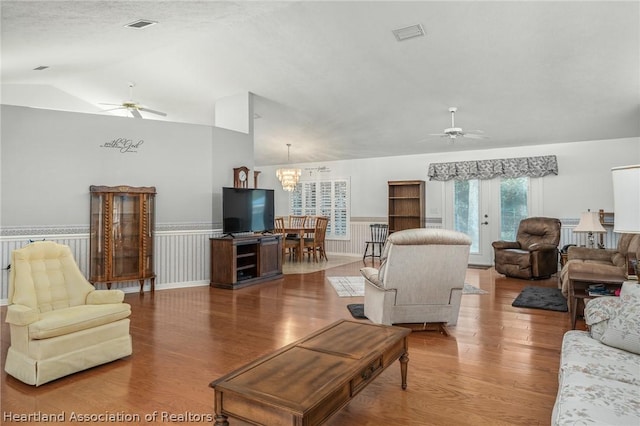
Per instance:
x=489, y=210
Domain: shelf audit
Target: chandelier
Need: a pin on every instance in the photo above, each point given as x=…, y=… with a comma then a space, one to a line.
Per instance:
x=287, y=176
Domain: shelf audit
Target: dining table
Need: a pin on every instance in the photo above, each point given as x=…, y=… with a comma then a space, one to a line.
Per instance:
x=300, y=231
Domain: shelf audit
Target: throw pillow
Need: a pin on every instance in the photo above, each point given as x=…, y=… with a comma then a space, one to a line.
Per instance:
x=630, y=287
x=623, y=331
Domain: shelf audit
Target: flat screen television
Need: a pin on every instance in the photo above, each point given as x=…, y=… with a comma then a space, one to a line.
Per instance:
x=247, y=210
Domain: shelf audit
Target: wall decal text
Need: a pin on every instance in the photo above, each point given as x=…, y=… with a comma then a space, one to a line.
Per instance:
x=124, y=145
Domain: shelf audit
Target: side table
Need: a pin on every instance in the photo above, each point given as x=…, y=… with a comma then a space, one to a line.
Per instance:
x=579, y=282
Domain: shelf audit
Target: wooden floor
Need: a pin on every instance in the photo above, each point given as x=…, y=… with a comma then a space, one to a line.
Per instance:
x=498, y=366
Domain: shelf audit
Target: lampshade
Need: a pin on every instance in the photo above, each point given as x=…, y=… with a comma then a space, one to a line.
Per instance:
x=590, y=222
x=288, y=176
x=626, y=199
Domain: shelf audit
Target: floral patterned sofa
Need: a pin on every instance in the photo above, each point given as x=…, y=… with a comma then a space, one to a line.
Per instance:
x=599, y=377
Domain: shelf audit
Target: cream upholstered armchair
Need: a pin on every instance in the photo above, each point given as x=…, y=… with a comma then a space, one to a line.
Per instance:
x=420, y=279
x=59, y=323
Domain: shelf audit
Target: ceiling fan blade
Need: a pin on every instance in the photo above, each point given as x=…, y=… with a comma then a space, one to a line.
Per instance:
x=111, y=109
x=104, y=103
x=152, y=111
x=474, y=136
x=135, y=113
x=438, y=134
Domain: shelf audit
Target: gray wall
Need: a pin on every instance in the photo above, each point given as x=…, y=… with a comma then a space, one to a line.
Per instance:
x=50, y=158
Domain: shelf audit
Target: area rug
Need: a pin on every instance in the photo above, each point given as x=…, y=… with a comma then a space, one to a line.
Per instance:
x=354, y=287
x=547, y=298
x=470, y=266
x=357, y=310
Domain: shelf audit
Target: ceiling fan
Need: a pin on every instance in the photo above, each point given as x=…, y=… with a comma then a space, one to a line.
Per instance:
x=133, y=107
x=453, y=131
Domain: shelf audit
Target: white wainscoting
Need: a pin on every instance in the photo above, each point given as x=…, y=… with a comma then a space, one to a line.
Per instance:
x=181, y=258
x=567, y=236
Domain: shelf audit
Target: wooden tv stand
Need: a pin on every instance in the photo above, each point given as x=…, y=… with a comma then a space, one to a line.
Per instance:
x=238, y=262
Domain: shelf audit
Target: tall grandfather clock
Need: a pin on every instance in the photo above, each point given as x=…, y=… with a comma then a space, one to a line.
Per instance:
x=241, y=177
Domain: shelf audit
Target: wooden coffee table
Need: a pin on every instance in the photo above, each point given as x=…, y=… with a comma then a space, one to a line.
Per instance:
x=307, y=381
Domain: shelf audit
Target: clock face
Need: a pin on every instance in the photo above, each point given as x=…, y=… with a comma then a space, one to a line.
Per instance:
x=242, y=175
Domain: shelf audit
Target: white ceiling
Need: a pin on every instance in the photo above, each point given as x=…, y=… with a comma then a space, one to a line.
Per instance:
x=330, y=77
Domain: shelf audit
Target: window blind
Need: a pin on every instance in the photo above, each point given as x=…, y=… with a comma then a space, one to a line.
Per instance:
x=328, y=198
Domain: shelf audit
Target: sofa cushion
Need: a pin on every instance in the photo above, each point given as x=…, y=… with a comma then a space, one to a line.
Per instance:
x=76, y=318
x=582, y=353
x=623, y=330
x=585, y=398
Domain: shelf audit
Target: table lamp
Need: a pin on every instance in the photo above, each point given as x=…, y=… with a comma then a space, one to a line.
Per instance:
x=626, y=202
x=590, y=224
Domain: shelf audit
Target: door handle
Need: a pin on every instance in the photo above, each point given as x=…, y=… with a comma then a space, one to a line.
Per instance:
x=485, y=223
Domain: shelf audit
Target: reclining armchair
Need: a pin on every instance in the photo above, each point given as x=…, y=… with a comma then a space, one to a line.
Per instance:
x=610, y=263
x=59, y=323
x=420, y=280
x=534, y=254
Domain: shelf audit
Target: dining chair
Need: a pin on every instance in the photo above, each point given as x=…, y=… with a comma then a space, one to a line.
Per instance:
x=379, y=232
x=288, y=245
x=297, y=221
x=315, y=244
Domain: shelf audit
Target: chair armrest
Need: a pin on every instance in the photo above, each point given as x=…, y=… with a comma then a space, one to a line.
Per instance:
x=371, y=275
x=600, y=309
x=596, y=269
x=500, y=245
x=102, y=297
x=21, y=315
x=585, y=253
x=598, y=312
x=542, y=247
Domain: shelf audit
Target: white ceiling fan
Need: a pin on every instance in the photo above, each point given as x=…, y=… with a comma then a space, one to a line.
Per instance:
x=453, y=131
x=133, y=107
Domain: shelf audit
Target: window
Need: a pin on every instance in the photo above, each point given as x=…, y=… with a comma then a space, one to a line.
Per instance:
x=467, y=210
x=513, y=206
x=328, y=198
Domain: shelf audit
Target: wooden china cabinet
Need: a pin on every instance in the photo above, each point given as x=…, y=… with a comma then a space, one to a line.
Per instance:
x=121, y=230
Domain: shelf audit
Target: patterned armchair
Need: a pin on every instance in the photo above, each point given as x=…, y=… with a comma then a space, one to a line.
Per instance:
x=59, y=323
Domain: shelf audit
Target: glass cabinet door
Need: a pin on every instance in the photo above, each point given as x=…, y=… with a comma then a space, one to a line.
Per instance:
x=125, y=233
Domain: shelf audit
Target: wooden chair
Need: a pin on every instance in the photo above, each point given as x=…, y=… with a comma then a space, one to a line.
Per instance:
x=297, y=221
x=315, y=244
x=379, y=232
x=288, y=245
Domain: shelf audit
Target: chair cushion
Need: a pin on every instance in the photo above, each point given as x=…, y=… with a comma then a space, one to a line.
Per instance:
x=76, y=318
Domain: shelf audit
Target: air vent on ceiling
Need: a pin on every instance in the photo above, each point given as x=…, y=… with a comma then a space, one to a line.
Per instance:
x=141, y=23
x=406, y=33
x=41, y=67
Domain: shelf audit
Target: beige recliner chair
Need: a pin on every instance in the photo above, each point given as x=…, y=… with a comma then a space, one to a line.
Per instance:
x=420, y=279
x=59, y=322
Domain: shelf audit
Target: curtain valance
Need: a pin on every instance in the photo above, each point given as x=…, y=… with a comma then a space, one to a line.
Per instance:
x=488, y=169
